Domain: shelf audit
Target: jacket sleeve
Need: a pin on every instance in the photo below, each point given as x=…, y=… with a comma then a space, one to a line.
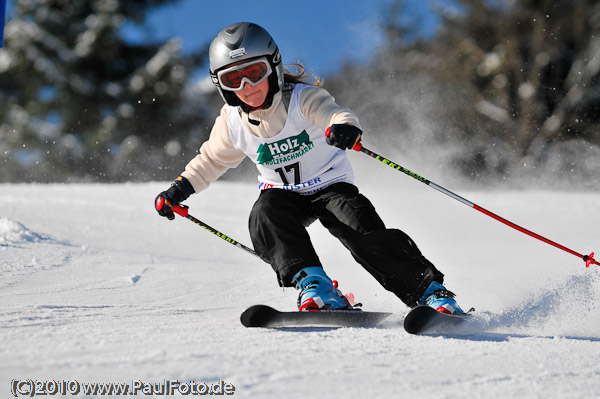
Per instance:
x=217, y=154
x=320, y=109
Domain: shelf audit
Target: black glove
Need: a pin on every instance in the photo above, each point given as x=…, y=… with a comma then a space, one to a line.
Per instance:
x=178, y=192
x=343, y=136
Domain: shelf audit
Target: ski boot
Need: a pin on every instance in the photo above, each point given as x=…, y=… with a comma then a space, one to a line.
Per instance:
x=438, y=297
x=318, y=292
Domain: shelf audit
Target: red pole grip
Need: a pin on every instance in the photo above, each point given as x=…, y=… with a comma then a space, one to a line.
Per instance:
x=181, y=210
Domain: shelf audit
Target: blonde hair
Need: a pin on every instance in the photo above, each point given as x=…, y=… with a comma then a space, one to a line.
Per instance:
x=300, y=75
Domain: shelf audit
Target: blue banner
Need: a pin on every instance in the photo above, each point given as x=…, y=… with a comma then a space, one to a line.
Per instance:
x=2, y=18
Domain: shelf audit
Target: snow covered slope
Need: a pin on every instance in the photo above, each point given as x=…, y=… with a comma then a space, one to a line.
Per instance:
x=95, y=287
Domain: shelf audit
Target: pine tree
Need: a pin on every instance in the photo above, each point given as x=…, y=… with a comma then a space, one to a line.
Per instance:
x=519, y=82
x=84, y=103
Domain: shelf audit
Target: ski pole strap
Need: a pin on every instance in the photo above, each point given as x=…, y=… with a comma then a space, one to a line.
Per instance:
x=588, y=259
x=183, y=211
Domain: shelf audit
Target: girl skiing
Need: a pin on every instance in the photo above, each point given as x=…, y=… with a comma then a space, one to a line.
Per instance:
x=278, y=120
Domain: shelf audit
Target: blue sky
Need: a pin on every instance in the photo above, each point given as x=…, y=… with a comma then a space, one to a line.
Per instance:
x=321, y=34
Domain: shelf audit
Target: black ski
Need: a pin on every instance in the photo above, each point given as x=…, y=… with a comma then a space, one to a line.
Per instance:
x=266, y=316
x=424, y=319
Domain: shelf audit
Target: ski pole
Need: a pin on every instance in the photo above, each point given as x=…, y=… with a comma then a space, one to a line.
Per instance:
x=183, y=211
x=588, y=259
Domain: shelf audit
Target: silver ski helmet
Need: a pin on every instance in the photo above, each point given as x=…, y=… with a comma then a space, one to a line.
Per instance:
x=244, y=41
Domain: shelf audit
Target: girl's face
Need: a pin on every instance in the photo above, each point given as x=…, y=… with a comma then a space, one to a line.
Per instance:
x=254, y=96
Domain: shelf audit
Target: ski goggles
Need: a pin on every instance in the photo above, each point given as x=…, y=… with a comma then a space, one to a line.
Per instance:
x=252, y=72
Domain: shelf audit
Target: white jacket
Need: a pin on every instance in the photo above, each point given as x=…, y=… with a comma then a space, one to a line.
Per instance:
x=218, y=153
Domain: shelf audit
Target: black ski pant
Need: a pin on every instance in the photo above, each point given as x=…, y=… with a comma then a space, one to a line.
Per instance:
x=278, y=222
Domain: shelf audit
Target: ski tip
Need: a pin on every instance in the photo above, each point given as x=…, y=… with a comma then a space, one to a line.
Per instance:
x=422, y=318
x=416, y=320
x=255, y=315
